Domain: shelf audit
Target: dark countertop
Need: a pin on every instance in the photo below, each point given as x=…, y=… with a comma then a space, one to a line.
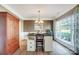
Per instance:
x=45, y=34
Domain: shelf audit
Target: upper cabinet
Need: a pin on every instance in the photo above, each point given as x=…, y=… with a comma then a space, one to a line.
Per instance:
x=28, y=26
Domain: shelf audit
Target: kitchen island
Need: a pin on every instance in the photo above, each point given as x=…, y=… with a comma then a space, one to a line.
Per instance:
x=47, y=42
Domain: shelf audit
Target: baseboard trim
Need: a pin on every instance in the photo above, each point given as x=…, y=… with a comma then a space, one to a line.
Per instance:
x=64, y=46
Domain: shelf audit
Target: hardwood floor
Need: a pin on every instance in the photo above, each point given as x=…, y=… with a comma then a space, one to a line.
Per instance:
x=24, y=52
x=58, y=49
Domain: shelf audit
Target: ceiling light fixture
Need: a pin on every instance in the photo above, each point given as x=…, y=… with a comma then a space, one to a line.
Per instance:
x=39, y=21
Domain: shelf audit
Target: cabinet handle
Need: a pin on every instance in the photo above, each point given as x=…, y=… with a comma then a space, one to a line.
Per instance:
x=30, y=42
x=30, y=46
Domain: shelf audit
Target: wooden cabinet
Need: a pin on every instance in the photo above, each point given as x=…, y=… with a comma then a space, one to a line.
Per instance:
x=23, y=44
x=9, y=33
x=28, y=26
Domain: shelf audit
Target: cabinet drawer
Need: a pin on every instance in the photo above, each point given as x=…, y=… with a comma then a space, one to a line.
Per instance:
x=31, y=45
x=30, y=48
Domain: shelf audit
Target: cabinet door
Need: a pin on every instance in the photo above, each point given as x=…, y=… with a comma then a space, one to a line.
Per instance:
x=23, y=44
x=12, y=34
x=31, y=45
x=2, y=34
x=48, y=43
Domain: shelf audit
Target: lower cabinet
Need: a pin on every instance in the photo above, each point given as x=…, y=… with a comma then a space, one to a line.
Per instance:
x=23, y=44
x=48, y=43
x=31, y=46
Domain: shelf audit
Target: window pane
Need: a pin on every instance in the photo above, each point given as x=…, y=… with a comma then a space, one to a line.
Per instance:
x=63, y=29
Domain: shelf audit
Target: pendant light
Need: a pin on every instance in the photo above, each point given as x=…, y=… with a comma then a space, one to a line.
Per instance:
x=39, y=21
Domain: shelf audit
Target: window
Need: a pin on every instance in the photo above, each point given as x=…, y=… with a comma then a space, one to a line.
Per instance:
x=63, y=29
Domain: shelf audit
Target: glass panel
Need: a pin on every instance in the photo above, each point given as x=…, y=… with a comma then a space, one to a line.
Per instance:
x=63, y=29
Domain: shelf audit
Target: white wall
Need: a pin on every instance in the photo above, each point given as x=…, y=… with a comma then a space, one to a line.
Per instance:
x=20, y=31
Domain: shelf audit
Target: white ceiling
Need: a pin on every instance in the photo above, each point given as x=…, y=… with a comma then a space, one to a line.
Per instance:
x=47, y=11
